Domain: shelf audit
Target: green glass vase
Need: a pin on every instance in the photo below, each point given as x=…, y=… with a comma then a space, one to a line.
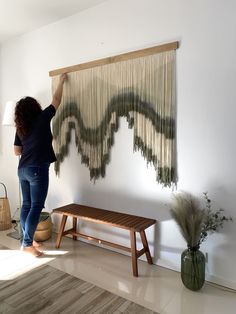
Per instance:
x=193, y=268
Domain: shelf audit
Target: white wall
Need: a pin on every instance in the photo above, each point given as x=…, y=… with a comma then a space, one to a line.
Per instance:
x=206, y=94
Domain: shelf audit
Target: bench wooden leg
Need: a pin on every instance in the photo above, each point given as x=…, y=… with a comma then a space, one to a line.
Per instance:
x=134, y=253
x=74, y=227
x=61, y=230
x=146, y=247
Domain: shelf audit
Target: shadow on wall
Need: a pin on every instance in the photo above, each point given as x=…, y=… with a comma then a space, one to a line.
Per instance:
x=130, y=205
x=124, y=203
x=159, y=210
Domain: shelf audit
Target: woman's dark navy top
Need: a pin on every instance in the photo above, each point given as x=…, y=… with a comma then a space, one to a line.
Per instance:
x=37, y=145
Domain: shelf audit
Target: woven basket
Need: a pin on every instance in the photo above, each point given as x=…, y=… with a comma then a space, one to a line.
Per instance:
x=5, y=213
x=44, y=228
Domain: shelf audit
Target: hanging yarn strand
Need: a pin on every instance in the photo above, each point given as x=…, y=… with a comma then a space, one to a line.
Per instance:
x=140, y=89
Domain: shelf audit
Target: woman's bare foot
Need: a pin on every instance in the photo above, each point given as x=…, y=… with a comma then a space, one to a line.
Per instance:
x=32, y=250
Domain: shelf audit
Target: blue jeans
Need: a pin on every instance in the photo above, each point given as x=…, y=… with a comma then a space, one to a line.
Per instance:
x=34, y=186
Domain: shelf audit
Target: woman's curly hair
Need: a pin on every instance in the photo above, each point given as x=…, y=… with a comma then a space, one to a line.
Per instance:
x=26, y=113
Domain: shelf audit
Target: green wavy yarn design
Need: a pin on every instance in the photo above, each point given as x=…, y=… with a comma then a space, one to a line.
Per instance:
x=122, y=105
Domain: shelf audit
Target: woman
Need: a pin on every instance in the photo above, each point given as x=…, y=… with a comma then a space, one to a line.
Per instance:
x=33, y=141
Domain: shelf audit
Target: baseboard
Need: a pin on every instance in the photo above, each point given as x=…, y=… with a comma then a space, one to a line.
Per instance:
x=209, y=277
x=221, y=281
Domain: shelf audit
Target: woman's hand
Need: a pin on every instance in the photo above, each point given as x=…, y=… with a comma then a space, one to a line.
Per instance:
x=63, y=77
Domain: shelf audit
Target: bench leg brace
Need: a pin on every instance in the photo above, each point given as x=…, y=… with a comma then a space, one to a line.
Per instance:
x=61, y=230
x=146, y=247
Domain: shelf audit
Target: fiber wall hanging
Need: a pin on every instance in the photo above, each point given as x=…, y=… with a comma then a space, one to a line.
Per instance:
x=140, y=86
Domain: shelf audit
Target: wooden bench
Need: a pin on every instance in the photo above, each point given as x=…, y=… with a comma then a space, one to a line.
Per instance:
x=119, y=220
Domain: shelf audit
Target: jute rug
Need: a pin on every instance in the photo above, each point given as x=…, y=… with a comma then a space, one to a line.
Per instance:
x=48, y=290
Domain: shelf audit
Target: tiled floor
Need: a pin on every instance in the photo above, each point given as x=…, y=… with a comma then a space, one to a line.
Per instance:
x=156, y=288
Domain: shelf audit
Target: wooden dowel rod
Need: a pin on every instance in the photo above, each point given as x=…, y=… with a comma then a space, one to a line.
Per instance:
x=118, y=58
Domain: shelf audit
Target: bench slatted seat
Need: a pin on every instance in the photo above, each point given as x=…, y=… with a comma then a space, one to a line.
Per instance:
x=119, y=220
